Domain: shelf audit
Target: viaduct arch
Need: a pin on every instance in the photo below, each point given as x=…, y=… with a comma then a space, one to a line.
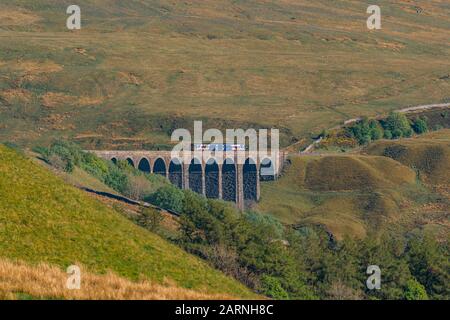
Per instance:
x=231, y=180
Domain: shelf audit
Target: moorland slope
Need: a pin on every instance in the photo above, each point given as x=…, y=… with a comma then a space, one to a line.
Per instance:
x=44, y=220
x=400, y=186
x=139, y=69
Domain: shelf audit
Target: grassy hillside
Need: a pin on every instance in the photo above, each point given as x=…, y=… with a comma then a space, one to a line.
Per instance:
x=138, y=69
x=348, y=195
x=45, y=220
x=429, y=154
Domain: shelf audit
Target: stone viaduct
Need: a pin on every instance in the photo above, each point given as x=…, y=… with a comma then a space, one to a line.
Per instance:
x=236, y=178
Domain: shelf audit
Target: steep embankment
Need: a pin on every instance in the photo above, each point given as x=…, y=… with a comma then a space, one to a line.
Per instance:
x=42, y=219
x=348, y=195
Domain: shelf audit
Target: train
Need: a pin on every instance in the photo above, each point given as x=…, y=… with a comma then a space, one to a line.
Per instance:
x=219, y=147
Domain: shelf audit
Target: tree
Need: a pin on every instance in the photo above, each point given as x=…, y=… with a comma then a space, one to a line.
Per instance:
x=339, y=291
x=387, y=134
x=150, y=219
x=361, y=131
x=366, y=130
x=271, y=287
x=116, y=178
x=415, y=291
x=168, y=197
x=420, y=125
x=376, y=130
x=398, y=124
x=387, y=253
x=138, y=186
x=429, y=264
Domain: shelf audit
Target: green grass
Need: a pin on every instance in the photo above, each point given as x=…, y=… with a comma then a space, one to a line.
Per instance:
x=138, y=69
x=42, y=219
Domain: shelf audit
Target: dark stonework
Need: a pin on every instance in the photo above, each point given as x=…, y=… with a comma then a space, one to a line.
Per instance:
x=250, y=174
x=176, y=173
x=195, y=176
x=229, y=182
x=212, y=180
x=144, y=165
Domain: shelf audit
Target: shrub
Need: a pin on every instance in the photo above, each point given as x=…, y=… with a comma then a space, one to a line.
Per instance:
x=267, y=222
x=420, y=125
x=387, y=134
x=376, y=130
x=397, y=133
x=398, y=124
x=168, y=197
x=271, y=287
x=116, y=179
x=94, y=165
x=67, y=153
x=59, y=163
x=138, y=187
x=366, y=131
x=150, y=219
x=121, y=176
x=415, y=291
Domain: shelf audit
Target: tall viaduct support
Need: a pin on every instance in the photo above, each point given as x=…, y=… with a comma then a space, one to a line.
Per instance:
x=234, y=176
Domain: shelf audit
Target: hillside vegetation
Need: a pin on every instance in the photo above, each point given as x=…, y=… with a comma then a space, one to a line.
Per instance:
x=43, y=220
x=139, y=69
x=350, y=195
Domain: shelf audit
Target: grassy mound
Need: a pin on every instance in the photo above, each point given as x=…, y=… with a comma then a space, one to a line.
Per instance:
x=429, y=155
x=45, y=220
x=337, y=173
x=348, y=195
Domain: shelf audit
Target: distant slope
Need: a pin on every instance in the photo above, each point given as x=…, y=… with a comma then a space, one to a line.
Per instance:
x=348, y=195
x=139, y=69
x=340, y=173
x=429, y=154
x=42, y=219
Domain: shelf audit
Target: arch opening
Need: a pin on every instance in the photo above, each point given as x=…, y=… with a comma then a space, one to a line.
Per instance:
x=144, y=165
x=130, y=162
x=114, y=160
x=159, y=167
x=176, y=173
x=229, y=180
x=196, y=176
x=250, y=181
x=212, y=179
